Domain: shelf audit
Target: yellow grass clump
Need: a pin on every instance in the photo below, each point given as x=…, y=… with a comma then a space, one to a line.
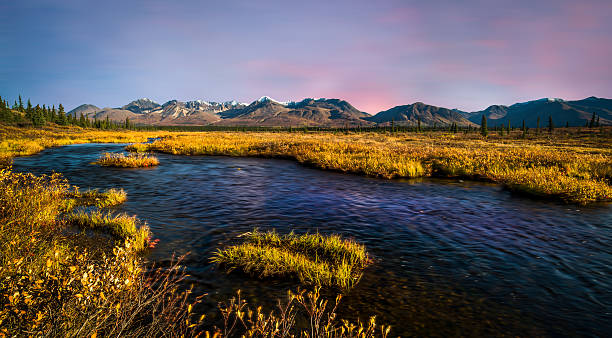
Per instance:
x=312, y=258
x=109, y=198
x=121, y=226
x=131, y=160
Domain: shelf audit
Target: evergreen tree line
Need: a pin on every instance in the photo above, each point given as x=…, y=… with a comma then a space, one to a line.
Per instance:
x=20, y=113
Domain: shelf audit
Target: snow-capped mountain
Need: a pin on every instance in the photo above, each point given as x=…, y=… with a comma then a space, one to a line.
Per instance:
x=267, y=111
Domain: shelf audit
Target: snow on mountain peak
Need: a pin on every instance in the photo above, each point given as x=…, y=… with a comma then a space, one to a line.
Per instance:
x=269, y=99
x=145, y=99
x=546, y=99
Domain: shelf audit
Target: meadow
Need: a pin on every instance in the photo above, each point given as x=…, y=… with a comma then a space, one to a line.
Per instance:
x=73, y=267
x=574, y=168
x=570, y=164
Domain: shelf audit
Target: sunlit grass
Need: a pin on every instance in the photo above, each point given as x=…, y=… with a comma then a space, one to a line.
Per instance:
x=332, y=248
x=583, y=159
x=121, y=226
x=131, y=160
x=575, y=170
x=314, y=259
x=52, y=285
x=109, y=198
x=16, y=141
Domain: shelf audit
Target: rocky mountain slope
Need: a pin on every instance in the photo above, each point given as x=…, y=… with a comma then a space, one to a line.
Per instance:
x=428, y=115
x=574, y=113
x=339, y=113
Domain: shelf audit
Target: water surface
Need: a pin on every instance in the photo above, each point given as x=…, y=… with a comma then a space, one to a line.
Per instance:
x=451, y=258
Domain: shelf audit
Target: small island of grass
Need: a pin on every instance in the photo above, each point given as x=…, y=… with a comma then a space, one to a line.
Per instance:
x=132, y=160
x=314, y=259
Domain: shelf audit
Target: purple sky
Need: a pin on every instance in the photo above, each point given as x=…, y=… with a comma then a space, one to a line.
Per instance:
x=375, y=54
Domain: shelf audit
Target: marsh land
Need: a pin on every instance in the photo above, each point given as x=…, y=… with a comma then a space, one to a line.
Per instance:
x=504, y=234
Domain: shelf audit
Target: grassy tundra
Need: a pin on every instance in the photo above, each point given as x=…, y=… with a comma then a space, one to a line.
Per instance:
x=570, y=168
x=68, y=270
x=568, y=165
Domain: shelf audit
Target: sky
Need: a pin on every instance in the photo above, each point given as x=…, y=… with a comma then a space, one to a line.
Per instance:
x=374, y=54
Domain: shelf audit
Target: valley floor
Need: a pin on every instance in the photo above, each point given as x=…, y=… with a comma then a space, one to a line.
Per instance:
x=573, y=165
x=68, y=283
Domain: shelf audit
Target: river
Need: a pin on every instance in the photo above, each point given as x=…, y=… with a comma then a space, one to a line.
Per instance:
x=452, y=258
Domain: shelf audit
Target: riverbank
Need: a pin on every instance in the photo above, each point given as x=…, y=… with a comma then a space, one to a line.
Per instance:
x=568, y=168
x=448, y=253
x=571, y=166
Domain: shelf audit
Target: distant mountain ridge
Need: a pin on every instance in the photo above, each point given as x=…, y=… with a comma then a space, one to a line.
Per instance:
x=339, y=113
x=574, y=113
x=427, y=115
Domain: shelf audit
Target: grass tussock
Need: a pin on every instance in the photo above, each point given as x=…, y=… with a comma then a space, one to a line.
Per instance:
x=314, y=259
x=120, y=226
x=131, y=160
x=567, y=167
x=109, y=198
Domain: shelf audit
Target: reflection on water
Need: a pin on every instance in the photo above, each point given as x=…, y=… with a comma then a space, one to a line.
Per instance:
x=452, y=258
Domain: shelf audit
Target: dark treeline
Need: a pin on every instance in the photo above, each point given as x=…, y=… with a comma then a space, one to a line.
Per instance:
x=24, y=114
x=454, y=128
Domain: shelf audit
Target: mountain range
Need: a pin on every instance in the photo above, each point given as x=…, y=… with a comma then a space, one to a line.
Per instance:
x=339, y=113
x=573, y=113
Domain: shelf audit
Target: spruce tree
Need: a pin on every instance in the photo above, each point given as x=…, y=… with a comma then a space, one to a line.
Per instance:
x=20, y=107
x=53, y=115
x=597, y=122
x=538, y=126
x=592, y=123
x=550, y=124
x=419, y=124
x=483, y=126
x=61, y=118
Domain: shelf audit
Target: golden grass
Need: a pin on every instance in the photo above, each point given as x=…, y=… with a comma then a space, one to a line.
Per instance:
x=109, y=198
x=131, y=160
x=570, y=168
x=52, y=285
x=240, y=321
x=312, y=258
x=16, y=141
x=121, y=226
x=571, y=164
